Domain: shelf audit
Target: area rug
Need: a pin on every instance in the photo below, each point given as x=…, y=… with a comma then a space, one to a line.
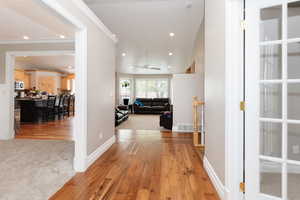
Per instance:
x=141, y=122
x=34, y=169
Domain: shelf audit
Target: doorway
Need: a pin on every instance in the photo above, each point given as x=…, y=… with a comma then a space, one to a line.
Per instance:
x=45, y=96
x=7, y=87
x=272, y=95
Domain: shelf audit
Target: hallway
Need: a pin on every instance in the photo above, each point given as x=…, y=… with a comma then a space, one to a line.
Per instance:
x=143, y=165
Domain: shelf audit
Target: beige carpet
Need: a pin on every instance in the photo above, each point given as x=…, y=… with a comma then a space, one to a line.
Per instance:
x=141, y=122
x=34, y=169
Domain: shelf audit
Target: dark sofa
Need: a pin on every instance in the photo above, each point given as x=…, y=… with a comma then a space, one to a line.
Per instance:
x=152, y=105
x=120, y=116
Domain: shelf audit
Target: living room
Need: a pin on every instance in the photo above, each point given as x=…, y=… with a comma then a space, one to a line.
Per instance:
x=143, y=101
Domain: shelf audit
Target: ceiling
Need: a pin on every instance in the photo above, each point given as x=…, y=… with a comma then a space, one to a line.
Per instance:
x=143, y=28
x=33, y=19
x=63, y=63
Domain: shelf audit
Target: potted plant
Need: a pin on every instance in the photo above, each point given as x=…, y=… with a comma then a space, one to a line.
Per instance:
x=125, y=84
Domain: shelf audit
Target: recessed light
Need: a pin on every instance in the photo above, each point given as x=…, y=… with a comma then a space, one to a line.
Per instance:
x=25, y=37
x=170, y=54
x=123, y=54
x=62, y=36
x=172, y=34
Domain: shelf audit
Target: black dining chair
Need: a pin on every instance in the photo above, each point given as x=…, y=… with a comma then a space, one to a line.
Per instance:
x=50, y=109
x=71, y=105
x=66, y=104
x=59, y=104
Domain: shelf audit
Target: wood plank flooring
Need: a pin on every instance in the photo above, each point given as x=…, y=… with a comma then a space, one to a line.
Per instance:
x=143, y=165
x=58, y=129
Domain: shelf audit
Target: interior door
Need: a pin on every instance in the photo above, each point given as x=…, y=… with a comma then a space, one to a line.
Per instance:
x=272, y=100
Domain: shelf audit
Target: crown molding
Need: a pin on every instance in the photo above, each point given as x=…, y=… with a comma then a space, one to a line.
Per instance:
x=92, y=16
x=34, y=41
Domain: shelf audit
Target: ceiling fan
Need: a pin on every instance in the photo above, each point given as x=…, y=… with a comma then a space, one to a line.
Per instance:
x=151, y=67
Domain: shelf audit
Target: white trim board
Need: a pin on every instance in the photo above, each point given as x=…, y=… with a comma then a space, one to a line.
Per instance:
x=215, y=179
x=94, y=18
x=184, y=128
x=42, y=53
x=234, y=94
x=35, y=41
x=99, y=151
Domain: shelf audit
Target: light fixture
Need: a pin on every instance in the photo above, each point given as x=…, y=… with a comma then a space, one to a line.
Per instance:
x=170, y=54
x=70, y=67
x=169, y=67
x=25, y=37
x=172, y=34
x=62, y=36
x=123, y=54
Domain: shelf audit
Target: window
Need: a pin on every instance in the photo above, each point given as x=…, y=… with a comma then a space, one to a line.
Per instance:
x=125, y=89
x=152, y=88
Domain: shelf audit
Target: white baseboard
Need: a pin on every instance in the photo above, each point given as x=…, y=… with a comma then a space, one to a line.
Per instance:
x=99, y=151
x=215, y=179
x=183, y=128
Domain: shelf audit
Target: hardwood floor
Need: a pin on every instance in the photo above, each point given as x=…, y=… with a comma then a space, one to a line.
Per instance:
x=143, y=165
x=59, y=129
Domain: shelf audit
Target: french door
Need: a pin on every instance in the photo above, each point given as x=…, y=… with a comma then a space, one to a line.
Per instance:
x=272, y=100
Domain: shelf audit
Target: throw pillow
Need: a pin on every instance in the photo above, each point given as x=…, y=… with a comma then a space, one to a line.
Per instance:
x=138, y=103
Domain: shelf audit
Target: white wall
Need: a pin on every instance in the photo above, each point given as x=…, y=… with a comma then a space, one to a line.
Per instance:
x=4, y=114
x=215, y=86
x=183, y=90
x=198, y=58
x=186, y=86
x=100, y=80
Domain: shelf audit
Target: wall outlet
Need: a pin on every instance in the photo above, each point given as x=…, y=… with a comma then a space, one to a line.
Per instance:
x=296, y=149
x=100, y=135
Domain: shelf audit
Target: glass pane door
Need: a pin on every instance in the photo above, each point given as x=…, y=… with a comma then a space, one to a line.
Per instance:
x=278, y=99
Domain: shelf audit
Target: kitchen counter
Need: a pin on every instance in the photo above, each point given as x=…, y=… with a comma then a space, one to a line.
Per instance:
x=31, y=108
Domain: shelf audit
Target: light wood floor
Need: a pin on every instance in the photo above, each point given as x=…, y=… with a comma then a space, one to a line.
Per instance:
x=143, y=165
x=59, y=129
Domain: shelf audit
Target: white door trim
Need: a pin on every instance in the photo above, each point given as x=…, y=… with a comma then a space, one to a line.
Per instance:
x=81, y=37
x=81, y=84
x=234, y=94
x=80, y=124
